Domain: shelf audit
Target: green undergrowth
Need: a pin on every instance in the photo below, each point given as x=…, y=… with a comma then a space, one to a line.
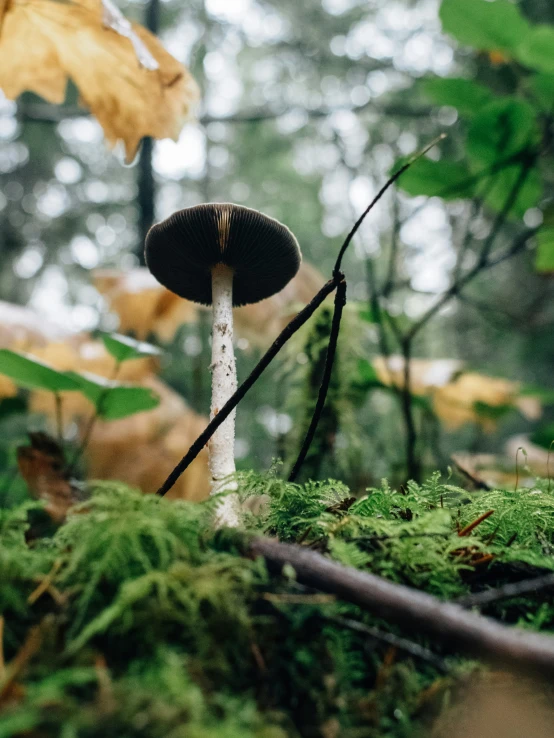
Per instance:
x=135, y=618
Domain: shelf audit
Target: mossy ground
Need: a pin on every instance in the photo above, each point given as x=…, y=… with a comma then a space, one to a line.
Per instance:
x=135, y=618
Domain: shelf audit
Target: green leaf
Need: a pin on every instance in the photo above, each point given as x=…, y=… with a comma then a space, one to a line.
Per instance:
x=543, y=435
x=544, y=260
x=123, y=348
x=112, y=399
x=536, y=49
x=467, y=96
x=542, y=87
x=504, y=182
x=445, y=179
x=30, y=373
x=500, y=129
x=483, y=24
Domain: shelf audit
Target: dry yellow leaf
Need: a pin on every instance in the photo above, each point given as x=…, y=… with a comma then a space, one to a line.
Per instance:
x=455, y=403
x=142, y=304
x=425, y=374
x=141, y=450
x=133, y=86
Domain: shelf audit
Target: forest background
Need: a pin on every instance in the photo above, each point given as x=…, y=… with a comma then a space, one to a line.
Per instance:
x=305, y=110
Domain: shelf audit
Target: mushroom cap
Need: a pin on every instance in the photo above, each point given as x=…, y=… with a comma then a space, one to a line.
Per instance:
x=182, y=250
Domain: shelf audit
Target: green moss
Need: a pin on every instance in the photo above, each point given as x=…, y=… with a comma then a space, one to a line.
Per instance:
x=155, y=625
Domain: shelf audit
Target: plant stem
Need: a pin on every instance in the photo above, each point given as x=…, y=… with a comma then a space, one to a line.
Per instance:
x=221, y=447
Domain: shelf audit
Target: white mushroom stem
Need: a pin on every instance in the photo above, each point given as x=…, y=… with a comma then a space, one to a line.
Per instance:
x=221, y=447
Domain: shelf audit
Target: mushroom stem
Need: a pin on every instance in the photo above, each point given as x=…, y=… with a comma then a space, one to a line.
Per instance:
x=221, y=447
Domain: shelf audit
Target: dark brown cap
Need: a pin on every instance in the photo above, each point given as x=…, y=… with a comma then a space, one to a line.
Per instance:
x=182, y=251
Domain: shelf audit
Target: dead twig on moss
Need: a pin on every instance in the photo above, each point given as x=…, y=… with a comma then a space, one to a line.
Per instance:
x=417, y=611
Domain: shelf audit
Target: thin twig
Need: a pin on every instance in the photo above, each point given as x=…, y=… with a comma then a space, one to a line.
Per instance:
x=378, y=196
x=418, y=611
x=59, y=419
x=506, y=591
x=340, y=302
x=412, y=462
x=403, y=644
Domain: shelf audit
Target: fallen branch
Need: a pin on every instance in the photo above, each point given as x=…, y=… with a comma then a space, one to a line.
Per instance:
x=418, y=611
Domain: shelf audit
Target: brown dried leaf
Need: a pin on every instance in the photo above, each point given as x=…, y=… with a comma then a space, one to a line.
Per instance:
x=42, y=466
x=133, y=86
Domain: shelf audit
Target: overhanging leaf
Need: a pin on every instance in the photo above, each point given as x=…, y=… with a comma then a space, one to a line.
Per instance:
x=502, y=128
x=112, y=399
x=124, y=75
x=483, y=24
x=30, y=373
x=123, y=348
x=464, y=94
x=445, y=179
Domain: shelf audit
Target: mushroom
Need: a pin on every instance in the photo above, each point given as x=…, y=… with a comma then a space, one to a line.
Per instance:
x=226, y=256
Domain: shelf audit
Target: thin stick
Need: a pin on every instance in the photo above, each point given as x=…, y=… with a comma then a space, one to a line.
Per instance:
x=514, y=589
x=289, y=330
x=403, y=644
x=340, y=302
x=418, y=611
x=59, y=419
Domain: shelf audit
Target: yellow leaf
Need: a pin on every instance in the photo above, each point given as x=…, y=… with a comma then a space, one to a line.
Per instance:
x=455, y=403
x=425, y=374
x=133, y=86
x=141, y=450
x=142, y=304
